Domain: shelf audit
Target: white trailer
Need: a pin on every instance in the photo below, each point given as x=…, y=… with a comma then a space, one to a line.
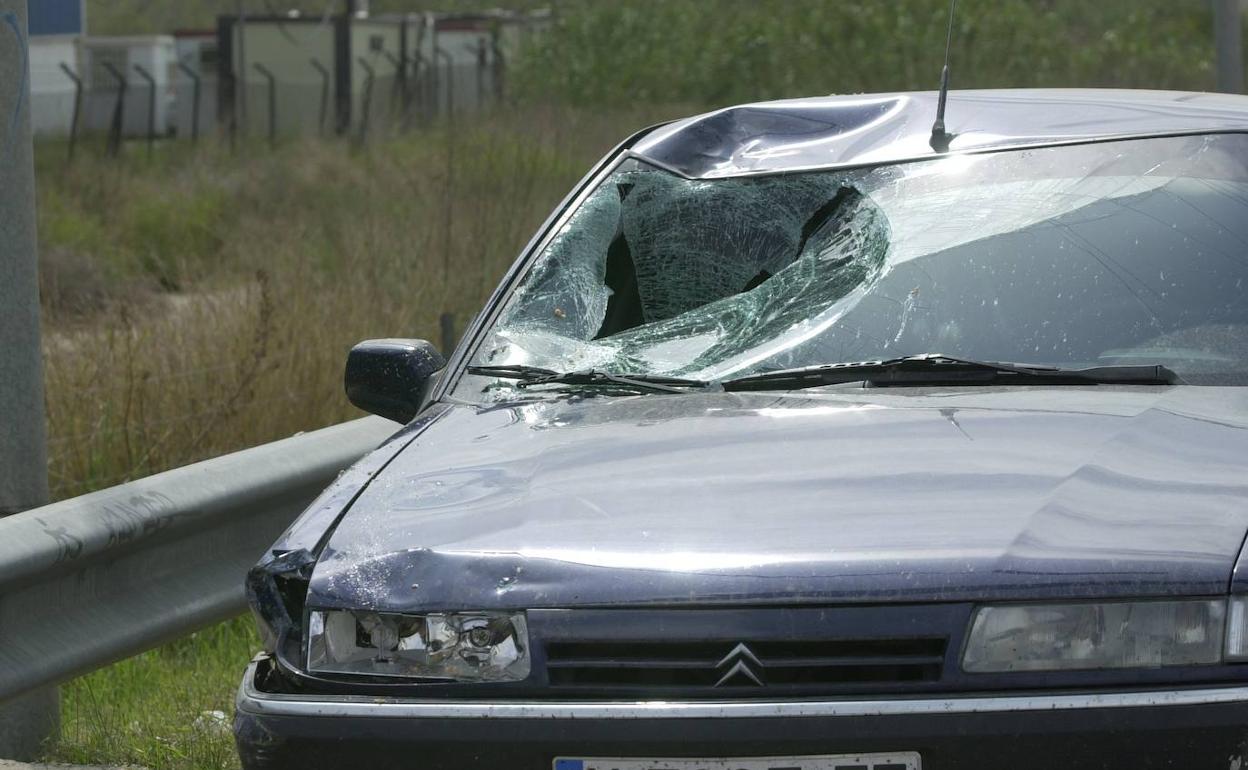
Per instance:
x=52, y=92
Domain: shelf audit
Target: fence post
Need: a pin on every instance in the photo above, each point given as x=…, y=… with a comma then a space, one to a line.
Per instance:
x=499, y=65
x=194, y=76
x=269, y=76
x=367, y=102
x=73, y=122
x=420, y=82
x=482, y=63
x=320, y=123
x=25, y=722
x=450, y=80
x=240, y=109
x=151, y=106
x=418, y=59
x=433, y=87
x=119, y=111
x=1228, y=35
x=396, y=90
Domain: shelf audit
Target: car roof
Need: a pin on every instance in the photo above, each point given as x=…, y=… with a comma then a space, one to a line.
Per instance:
x=870, y=129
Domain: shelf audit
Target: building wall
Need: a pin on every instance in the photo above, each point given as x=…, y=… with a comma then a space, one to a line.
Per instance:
x=379, y=43
x=51, y=90
x=156, y=55
x=287, y=50
x=467, y=84
x=199, y=53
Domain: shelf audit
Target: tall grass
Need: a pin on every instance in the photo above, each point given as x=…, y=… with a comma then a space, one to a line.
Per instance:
x=726, y=51
x=204, y=301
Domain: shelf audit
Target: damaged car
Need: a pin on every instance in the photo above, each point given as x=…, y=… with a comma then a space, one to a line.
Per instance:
x=796, y=440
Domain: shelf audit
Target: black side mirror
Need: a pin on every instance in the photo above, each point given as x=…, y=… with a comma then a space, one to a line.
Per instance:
x=388, y=377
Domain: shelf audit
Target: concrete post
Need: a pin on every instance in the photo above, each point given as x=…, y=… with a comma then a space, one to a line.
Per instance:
x=1228, y=34
x=27, y=721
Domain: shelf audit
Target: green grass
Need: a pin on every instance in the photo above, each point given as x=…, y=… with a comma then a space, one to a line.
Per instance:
x=153, y=710
x=725, y=51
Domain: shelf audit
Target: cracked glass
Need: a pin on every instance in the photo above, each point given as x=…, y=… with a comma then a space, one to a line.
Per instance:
x=1115, y=253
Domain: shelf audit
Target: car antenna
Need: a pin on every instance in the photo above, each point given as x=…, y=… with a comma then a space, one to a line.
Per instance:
x=940, y=137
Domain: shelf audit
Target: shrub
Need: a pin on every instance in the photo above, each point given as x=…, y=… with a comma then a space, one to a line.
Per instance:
x=725, y=51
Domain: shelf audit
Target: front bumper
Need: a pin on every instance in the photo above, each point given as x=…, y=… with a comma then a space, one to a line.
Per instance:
x=1183, y=728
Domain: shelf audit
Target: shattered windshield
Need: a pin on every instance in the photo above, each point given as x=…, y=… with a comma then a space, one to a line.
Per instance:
x=1128, y=252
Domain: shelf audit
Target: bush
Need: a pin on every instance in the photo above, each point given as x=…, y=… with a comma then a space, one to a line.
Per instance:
x=720, y=52
x=176, y=236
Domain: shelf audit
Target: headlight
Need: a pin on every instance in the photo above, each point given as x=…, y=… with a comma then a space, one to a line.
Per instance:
x=461, y=647
x=1144, y=634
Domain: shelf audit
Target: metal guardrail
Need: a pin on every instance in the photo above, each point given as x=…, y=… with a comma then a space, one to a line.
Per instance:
x=91, y=580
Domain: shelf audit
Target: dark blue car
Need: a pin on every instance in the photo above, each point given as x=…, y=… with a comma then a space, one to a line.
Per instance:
x=794, y=442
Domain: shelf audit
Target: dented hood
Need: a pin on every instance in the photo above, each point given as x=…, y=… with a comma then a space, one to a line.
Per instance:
x=838, y=495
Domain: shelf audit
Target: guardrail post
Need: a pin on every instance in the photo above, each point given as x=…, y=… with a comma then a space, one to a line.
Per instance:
x=195, y=89
x=25, y=722
x=151, y=106
x=73, y=122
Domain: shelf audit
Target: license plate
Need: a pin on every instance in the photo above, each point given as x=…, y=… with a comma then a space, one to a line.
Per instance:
x=903, y=761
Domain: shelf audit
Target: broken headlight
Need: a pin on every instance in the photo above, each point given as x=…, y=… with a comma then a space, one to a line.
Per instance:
x=1143, y=634
x=459, y=647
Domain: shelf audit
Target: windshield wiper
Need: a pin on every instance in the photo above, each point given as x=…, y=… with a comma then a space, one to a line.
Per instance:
x=511, y=371
x=937, y=369
x=530, y=376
